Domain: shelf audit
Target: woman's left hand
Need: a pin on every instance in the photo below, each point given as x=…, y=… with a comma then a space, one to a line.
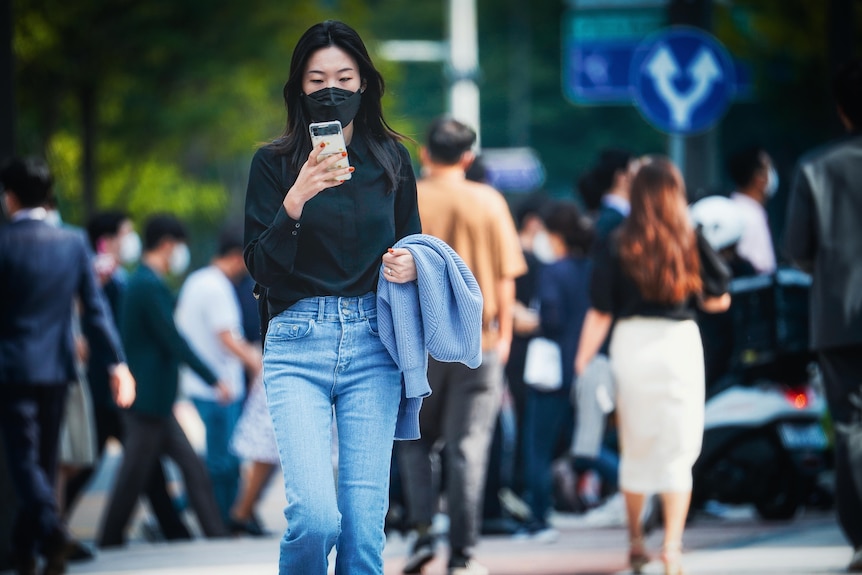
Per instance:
x=398, y=266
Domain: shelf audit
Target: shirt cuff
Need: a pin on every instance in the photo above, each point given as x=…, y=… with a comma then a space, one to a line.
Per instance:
x=285, y=224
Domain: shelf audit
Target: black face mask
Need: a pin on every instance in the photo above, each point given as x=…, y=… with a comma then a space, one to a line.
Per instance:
x=332, y=104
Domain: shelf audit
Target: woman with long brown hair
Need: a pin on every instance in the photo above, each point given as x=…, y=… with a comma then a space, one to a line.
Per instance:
x=648, y=278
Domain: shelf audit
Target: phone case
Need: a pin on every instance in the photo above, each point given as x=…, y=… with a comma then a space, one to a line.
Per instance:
x=331, y=134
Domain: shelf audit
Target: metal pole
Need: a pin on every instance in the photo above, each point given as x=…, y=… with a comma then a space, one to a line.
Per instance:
x=697, y=156
x=676, y=150
x=464, y=64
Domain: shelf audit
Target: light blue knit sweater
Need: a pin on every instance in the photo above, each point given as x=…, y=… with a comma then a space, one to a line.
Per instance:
x=440, y=314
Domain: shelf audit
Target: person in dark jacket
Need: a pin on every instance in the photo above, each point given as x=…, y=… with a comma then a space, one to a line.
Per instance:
x=115, y=242
x=155, y=350
x=822, y=236
x=43, y=270
x=563, y=296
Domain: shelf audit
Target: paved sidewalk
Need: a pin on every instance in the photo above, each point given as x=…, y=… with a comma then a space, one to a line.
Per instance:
x=736, y=543
x=806, y=546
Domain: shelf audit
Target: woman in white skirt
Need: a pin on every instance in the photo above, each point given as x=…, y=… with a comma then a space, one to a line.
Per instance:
x=649, y=277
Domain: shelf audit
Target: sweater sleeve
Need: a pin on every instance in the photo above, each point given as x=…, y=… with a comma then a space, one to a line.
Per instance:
x=271, y=236
x=161, y=324
x=551, y=304
x=800, y=237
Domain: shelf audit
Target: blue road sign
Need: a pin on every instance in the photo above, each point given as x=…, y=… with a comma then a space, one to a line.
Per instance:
x=682, y=80
x=598, y=71
x=513, y=170
x=598, y=46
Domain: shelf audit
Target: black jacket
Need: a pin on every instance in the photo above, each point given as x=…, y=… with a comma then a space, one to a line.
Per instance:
x=823, y=235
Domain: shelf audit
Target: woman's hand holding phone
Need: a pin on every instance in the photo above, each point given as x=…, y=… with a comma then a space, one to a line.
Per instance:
x=316, y=175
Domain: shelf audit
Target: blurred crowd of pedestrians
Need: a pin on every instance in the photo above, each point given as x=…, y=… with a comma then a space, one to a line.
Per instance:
x=627, y=289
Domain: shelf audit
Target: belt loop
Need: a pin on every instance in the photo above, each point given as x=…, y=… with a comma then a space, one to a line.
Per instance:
x=321, y=308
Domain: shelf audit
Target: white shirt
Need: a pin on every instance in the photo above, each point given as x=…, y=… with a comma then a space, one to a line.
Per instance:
x=30, y=214
x=207, y=306
x=618, y=203
x=755, y=245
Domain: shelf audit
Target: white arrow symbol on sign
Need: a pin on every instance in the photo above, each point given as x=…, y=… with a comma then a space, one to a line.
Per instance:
x=703, y=70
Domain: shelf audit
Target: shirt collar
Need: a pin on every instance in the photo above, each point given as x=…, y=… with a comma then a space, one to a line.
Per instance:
x=617, y=203
x=30, y=214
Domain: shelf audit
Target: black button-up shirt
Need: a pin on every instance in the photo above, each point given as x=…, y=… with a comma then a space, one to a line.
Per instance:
x=336, y=246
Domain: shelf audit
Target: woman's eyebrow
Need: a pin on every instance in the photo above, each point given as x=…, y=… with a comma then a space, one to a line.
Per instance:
x=348, y=69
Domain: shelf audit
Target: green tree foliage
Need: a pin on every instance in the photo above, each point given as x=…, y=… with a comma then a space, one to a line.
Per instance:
x=159, y=104
x=165, y=101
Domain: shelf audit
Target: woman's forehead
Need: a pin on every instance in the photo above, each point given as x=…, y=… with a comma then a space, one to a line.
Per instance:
x=331, y=59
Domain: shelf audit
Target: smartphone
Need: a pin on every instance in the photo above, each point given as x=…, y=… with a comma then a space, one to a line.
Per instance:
x=331, y=134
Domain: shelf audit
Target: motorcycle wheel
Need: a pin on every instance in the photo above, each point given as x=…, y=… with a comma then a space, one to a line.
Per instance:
x=783, y=500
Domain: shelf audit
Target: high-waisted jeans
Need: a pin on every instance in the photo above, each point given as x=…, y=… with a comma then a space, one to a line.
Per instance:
x=323, y=356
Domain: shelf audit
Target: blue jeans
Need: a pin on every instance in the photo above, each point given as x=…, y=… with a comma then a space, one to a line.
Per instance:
x=223, y=466
x=324, y=355
x=547, y=431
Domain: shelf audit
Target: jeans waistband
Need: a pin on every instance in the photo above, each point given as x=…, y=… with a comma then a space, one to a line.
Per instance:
x=334, y=308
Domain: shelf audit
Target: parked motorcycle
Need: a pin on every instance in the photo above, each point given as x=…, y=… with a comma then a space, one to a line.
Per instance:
x=764, y=442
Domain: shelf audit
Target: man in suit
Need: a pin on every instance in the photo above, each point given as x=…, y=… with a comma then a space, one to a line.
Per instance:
x=822, y=235
x=43, y=269
x=156, y=349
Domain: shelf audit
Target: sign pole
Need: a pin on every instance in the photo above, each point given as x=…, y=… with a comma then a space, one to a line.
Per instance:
x=464, y=64
x=676, y=150
x=698, y=157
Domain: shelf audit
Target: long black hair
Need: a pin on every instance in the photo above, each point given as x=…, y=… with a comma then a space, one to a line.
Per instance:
x=295, y=142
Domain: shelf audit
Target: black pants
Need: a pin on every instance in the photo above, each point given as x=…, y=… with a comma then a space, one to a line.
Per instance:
x=108, y=425
x=147, y=439
x=30, y=417
x=842, y=376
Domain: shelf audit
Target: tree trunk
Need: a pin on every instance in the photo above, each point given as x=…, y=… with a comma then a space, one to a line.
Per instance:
x=7, y=116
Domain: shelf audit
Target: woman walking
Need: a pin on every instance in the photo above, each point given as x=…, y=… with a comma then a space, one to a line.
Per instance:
x=648, y=278
x=315, y=241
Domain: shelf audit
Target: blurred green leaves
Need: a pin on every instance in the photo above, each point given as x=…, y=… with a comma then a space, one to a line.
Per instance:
x=185, y=90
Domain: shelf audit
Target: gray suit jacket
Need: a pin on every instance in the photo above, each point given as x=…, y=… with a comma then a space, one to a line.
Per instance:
x=823, y=235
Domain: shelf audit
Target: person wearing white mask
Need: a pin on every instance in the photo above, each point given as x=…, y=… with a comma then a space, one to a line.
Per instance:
x=115, y=243
x=756, y=182
x=208, y=315
x=155, y=350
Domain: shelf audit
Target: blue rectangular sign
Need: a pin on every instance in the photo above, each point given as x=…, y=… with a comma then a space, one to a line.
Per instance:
x=597, y=72
x=597, y=52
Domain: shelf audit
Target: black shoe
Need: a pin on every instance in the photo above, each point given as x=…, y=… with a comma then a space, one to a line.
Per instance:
x=463, y=565
x=56, y=552
x=250, y=526
x=856, y=563
x=25, y=566
x=420, y=555
x=79, y=552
